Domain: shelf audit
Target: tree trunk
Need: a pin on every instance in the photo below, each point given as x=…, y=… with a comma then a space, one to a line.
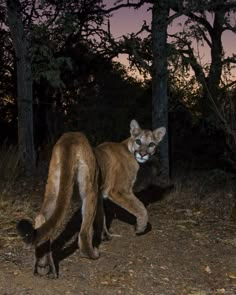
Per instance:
x=160, y=15
x=213, y=79
x=24, y=87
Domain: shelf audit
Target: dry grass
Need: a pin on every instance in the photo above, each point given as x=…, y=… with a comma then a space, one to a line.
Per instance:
x=9, y=167
x=16, y=199
x=209, y=193
x=11, y=211
x=9, y=161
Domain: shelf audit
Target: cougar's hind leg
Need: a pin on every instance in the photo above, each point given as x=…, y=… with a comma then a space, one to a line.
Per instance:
x=88, y=193
x=86, y=231
x=43, y=261
x=133, y=205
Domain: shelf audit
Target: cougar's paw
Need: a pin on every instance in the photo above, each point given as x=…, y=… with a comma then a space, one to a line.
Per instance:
x=47, y=269
x=146, y=230
x=42, y=270
x=91, y=254
x=44, y=266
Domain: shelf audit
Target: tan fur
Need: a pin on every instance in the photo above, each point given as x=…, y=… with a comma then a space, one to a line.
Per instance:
x=72, y=161
x=119, y=166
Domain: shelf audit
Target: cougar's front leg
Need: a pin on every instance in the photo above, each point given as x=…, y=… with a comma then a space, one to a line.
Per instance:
x=100, y=225
x=43, y=262
x=129, y=202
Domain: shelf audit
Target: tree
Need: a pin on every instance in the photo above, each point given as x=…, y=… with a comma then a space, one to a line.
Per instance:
x=160, y=15
x=21, y=44
x=206, y=26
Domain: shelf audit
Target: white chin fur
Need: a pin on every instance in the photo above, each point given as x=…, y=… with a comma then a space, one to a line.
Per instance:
x=141, y=159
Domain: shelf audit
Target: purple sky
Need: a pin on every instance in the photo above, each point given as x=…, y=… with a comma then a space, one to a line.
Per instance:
x=127, y=20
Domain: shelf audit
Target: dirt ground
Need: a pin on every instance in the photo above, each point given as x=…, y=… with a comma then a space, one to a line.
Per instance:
x=191, y=249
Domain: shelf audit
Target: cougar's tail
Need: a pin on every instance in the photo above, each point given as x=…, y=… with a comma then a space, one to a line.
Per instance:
x=41, y=234
x=25, y=229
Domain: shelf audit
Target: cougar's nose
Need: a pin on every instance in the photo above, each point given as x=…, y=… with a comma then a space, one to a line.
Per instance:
x=143, y=153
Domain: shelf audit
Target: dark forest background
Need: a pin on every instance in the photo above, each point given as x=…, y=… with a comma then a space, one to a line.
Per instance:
x=57, y=74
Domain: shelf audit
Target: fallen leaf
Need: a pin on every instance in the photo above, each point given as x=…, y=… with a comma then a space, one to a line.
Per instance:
x=220, y=291
x=104, y=283
x=197, y=293
x=232, y=275
x=207, y=269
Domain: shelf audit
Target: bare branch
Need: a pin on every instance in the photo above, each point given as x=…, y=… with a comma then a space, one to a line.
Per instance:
x=128, y=4
x=200, y=20
x=189, y=57
x=132, y=45
x=231, y=59
x=144, y=28
x=174, y=16
x=229, y=85
x=204, y=36
x=229, y=27
x=228, y=6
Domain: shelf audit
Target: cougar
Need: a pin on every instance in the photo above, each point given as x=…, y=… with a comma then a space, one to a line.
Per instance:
x=109, y=171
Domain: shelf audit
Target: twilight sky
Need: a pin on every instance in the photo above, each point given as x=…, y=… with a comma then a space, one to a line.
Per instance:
x=127, y=20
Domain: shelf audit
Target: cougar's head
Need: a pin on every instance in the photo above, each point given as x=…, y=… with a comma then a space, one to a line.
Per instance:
x=143, y=143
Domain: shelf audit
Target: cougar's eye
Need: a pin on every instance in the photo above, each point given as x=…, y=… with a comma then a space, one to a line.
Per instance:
x=138, y=141
x=151, y=144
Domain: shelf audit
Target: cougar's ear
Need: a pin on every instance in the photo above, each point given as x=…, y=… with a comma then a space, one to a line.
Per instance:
x=134, y=128
x=159, y=133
